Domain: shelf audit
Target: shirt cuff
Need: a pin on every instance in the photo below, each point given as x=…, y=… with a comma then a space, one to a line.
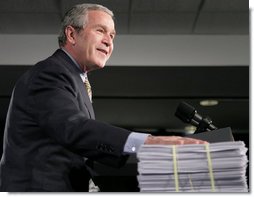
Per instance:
x=134, y=141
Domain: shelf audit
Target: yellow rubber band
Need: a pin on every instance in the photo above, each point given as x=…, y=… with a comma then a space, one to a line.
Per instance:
x=210, y=167
x=190, y=181
x=175, y=169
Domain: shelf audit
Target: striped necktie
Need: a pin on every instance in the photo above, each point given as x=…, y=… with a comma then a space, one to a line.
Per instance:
x=88, y=88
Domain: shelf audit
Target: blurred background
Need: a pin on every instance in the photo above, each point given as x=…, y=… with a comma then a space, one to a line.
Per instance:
x=166, y=51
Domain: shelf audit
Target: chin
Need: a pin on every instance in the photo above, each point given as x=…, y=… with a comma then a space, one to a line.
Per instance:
x=96, y=67
x=99, y=66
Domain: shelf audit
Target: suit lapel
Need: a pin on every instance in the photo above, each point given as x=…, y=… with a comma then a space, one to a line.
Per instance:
x=66, y=61
x=87, y=101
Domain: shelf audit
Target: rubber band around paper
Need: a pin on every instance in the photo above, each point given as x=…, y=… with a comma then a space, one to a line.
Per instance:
x=175, y=168
x=210, y=167
x=190, y=181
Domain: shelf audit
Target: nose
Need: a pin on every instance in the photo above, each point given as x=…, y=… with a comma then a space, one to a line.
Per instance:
x=107, y=40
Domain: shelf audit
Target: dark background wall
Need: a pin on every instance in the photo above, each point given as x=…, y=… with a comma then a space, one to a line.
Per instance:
x=145, y=98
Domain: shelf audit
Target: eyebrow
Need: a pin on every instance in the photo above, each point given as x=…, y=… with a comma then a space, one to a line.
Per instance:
x=105, y=27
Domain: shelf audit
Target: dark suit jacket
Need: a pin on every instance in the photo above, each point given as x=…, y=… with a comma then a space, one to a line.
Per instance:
x=50, y=130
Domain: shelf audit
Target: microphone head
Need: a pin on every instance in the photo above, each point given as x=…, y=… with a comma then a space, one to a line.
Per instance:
x=185, y=112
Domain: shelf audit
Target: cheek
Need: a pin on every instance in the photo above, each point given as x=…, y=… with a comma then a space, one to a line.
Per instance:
x=111, y=50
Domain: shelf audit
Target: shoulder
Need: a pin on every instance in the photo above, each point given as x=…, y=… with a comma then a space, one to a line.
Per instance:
x=56, y=70
x=57, y=64
x=51, y=71
x=56, y=61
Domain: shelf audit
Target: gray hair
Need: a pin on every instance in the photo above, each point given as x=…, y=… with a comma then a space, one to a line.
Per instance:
x=77, y=18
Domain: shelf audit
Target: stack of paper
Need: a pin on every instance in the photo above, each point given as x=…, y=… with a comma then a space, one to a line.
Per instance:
x=214, y=167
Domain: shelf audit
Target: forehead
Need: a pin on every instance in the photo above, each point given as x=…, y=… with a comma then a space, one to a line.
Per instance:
x=96, y=18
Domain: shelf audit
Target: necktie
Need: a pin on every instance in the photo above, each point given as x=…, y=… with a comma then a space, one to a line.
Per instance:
x=92, y=186
x=88, y=88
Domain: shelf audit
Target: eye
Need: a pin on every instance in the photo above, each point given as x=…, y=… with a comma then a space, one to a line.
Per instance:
x=100, y=30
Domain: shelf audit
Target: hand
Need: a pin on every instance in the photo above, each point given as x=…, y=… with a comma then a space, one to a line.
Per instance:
x=172, y=140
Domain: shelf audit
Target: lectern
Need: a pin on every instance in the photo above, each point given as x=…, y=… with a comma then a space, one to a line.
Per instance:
x=218, y=135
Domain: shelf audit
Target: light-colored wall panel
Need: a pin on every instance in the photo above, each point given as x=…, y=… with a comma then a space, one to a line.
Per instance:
x=144, y=50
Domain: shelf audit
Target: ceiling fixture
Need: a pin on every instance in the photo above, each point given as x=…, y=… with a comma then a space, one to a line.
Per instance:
x=208, y=103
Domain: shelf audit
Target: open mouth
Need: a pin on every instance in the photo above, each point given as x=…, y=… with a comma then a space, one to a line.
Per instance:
x=103, y=51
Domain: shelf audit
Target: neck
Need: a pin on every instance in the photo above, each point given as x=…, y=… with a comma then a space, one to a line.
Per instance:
x=72, y=56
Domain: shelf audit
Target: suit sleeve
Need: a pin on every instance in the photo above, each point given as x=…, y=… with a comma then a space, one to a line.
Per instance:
x=55, y=101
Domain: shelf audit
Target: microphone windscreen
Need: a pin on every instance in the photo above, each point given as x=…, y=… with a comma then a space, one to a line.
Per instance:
x=185, y=112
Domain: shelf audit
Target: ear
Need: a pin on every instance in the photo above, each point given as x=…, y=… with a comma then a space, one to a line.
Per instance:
x=70, y=35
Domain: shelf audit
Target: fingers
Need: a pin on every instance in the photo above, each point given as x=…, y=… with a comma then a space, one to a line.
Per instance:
x=187, y=140
x=173, y=140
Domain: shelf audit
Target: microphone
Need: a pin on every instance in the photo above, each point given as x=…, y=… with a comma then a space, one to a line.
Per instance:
x=188, y=114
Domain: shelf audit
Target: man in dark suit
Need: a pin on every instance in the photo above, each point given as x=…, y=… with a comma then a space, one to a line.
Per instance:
x=51, y=134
